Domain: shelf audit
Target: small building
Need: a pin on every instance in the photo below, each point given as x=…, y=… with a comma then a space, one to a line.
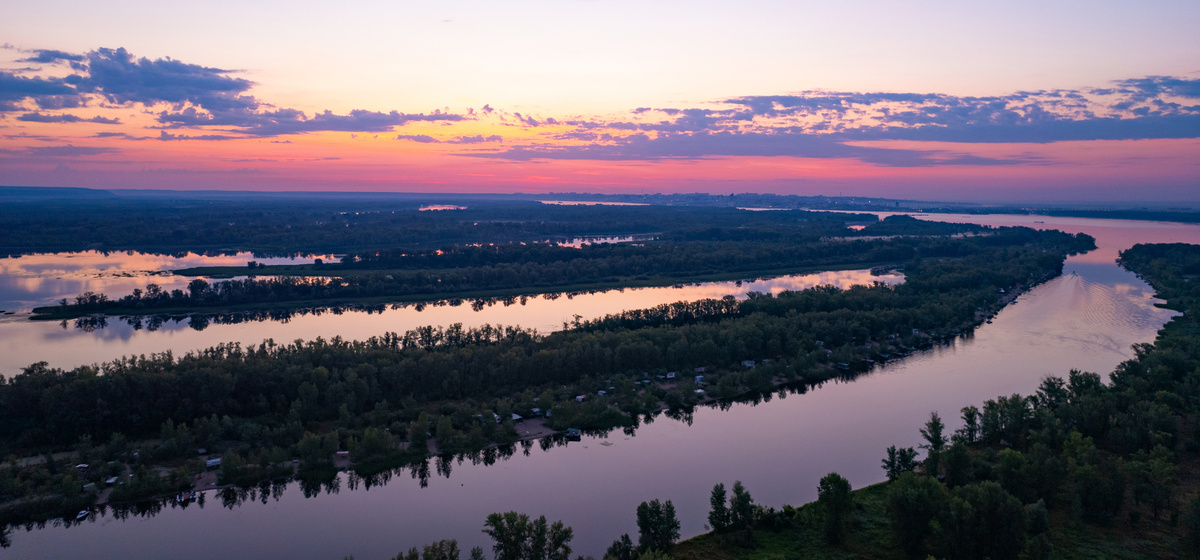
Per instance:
x=670, y=375
x=580, y=398
x=699, y=379
x=212, y=463
x=536, y=411
x=699, y=392
x=111, y=481
x=701, y=369
x=574, y=433
x=602, y=392
x=748, y=363
x=517, y=418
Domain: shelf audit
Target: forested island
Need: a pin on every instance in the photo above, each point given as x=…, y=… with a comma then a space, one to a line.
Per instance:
x=275, y=411
x=685, y=255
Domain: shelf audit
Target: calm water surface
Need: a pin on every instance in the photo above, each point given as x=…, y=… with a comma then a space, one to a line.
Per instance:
x=1086, y=319
x=23, y=342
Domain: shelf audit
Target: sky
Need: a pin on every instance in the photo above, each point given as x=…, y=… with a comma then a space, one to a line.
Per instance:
x=1020, y=101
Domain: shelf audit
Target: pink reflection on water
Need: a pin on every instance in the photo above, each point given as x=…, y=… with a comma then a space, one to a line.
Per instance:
x=23, y=342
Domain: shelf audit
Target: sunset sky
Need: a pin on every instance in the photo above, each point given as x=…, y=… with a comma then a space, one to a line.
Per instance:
x=1014, y=101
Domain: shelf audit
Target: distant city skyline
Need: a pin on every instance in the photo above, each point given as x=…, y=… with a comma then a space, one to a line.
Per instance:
x=1024, y=101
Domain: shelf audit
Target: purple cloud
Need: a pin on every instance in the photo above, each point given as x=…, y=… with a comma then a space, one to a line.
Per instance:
x=63, y=118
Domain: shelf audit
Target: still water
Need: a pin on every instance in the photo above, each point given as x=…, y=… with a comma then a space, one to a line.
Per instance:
x=1086, y=319
x=64, y=344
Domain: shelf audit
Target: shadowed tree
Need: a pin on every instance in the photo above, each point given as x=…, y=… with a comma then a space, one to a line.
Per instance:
x=741, y=507
x=899, y=461
x=658, y=528
x=833, y=493
x=718, y=517
x=935, y=442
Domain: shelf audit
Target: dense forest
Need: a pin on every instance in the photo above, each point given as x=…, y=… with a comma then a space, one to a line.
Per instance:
x=392, y=399
x=683, y=255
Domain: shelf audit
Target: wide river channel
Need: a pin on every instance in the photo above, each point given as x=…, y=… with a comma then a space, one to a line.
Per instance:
x=1087, y=319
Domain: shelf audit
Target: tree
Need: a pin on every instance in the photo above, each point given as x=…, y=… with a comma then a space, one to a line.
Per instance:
x=935, y=442
x=658, y=528
x=621, y=549
x=509, y=531
x=969, y=432
x=899, y=461
x=441, y=550
x=985, y=521
x=518, y=538
x=913, y=503
x=741, y=507
x=833, y=493
x=476, y=552
x=718, y=517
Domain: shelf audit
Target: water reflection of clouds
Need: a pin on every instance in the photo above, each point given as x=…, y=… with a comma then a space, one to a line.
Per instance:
x=32, y=280
x=27, y=342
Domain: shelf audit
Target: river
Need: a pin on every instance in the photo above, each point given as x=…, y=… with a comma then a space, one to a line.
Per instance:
x=1087, y=319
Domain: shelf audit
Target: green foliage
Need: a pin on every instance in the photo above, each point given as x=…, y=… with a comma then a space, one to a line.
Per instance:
x=899, y=461
x=741, y=510
x=658, y=527
x=984, y=521
x=914, y=503
x=621, y=549
x=718, y=515
x=518, y=538
x=935, y=442
x=833, y=493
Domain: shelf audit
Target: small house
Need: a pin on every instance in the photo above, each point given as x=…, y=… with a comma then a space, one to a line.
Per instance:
x=212, y=463
x=580, y=398
x=536, y=411
x=700, y=392
x=699, y=379
x=670, y=375
x=602, y=392
x=517, y=418
x=748, y=363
